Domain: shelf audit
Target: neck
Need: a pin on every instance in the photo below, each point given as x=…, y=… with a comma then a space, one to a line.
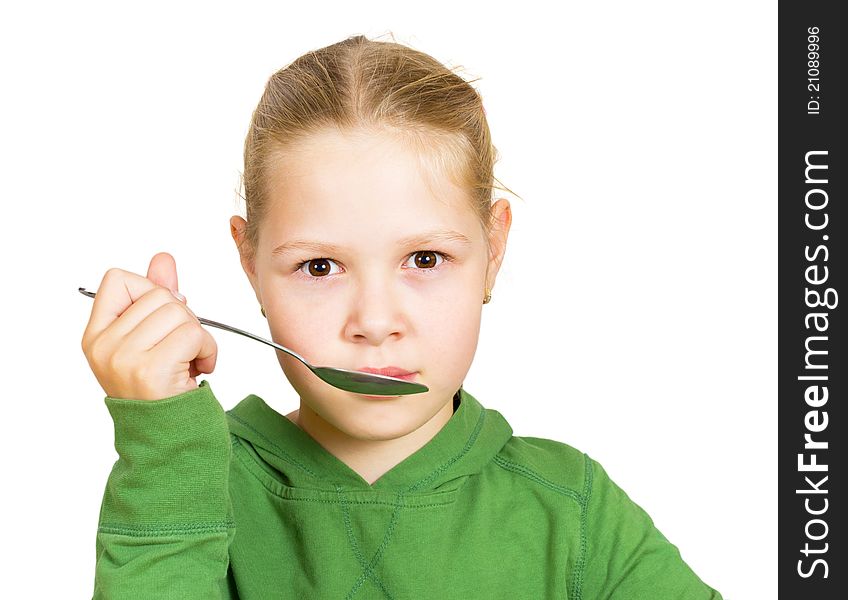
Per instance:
x=370, y=459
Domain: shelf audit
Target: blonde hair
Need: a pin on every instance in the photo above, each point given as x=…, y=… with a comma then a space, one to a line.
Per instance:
x=359, y=84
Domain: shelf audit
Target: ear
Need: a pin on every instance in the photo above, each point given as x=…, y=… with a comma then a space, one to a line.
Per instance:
x=501, y=222
x=237, y=230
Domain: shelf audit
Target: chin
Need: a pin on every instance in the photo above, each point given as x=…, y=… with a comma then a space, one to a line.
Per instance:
x=379, y=422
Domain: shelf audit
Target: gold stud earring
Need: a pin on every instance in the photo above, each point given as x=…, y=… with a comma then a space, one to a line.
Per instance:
x=262, y=308
x=487, y=297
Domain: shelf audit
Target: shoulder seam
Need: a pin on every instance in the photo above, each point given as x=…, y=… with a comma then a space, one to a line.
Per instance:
x=584, y=509
x=530, y=474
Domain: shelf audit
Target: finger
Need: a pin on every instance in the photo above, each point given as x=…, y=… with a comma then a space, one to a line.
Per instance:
x=163, y=271
x=206, y=360
x=187, y=343
x=146, y=323
x=191, y=312
x=117, y=292
x=193, y=371
x=149, y=321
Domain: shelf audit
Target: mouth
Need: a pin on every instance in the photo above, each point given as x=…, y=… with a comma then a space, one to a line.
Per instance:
x=395, y=372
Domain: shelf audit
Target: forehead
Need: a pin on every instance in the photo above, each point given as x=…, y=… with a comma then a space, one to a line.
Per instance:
x=362, y=183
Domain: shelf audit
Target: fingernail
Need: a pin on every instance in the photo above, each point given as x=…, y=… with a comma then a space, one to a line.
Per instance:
x=178, y=295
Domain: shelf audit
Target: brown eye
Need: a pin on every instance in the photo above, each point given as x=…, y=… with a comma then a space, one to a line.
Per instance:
x=317, y=267
x=425, y=259
x=321, y=269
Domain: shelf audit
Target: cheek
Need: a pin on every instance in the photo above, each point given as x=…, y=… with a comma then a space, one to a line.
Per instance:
x=300, y=328
x=450, y=333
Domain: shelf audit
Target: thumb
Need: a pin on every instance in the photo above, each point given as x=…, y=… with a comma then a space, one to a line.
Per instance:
x=163, y=271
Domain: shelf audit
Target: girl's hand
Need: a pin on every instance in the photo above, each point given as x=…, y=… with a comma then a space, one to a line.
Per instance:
x=141, y=341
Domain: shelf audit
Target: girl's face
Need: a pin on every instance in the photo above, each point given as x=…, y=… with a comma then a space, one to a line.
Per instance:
x=361, y=263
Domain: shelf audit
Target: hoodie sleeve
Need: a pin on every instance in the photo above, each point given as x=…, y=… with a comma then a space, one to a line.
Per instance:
x=166, y=520
x=626, y=555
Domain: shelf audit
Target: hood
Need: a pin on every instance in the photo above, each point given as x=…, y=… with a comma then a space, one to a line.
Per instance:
x=462, y=448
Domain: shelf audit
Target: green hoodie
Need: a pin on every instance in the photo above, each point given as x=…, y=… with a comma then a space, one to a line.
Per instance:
x=203, y=504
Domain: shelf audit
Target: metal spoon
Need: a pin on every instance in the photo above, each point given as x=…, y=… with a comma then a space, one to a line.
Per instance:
x=351, y=381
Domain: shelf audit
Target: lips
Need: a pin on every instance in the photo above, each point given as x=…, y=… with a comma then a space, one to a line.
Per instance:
x=390, y=372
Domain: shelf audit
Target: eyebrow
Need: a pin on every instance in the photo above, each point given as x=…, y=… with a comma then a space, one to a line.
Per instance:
x=418, y=239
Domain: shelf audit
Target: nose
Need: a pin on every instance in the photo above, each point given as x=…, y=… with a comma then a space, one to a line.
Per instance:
x=376, y=312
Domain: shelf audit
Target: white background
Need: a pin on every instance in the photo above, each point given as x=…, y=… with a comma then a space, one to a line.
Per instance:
x=635, y=316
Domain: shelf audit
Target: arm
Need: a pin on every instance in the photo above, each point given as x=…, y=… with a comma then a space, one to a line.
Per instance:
x=166, y=518
x=626, y=555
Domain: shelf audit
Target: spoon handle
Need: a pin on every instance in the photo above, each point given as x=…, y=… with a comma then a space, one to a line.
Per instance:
x=212, y=323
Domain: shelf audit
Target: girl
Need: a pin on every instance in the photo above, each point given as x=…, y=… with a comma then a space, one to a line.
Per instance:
x=371, y=243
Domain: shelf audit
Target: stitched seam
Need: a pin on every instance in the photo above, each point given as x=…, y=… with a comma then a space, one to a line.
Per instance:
x=378, y=555
x=445, y=466
x=584, y=509
x=532, y=475
x=260, y=475
x=164, y=530
x=349, y=529
x=283, y=454
x=357, y=551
